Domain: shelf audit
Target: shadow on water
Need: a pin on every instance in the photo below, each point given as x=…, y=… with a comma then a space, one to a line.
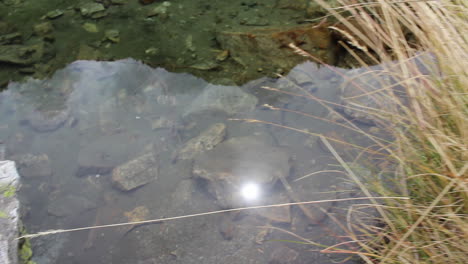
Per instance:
x=109, y=142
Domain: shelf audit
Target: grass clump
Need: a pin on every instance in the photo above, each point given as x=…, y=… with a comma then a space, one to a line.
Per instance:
x=429, y=154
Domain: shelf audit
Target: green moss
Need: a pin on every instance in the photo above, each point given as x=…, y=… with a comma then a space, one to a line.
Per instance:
x=10, y=191
x=7, y=190
x=3, y=214
x=25, y=252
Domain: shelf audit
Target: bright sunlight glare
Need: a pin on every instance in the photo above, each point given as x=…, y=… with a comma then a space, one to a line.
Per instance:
x=250, y=191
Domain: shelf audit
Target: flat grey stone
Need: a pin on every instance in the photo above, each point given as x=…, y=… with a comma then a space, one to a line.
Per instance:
x=135, y=173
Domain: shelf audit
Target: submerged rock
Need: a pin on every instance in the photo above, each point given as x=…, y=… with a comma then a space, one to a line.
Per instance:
x=207, y=140
x=135, y=173
x=48, y=121
x=22, y=54
x=229, y=100
x=70, y=205
x=267, y=47
x=239, y=161
x=31, y=166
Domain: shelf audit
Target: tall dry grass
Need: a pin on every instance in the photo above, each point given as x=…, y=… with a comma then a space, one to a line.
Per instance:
x=429, y=155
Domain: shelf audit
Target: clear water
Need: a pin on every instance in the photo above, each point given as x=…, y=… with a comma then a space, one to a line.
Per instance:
x=106, y=113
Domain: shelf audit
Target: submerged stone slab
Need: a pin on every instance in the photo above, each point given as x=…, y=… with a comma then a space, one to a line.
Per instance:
x=9, y=212
x=135, y=173
x=229, y=100
x=267, y=48
x=207, y=140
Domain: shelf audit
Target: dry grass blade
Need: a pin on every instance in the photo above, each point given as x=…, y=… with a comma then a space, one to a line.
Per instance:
x=430, y=129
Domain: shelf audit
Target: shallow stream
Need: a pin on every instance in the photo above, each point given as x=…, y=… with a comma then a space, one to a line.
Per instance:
x=73, y=134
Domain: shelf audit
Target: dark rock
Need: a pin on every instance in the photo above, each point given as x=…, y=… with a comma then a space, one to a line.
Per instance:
x=135, y=173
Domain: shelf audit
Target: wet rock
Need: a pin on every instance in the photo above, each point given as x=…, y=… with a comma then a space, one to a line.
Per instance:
x=32, y=166
x=93, y=10
x=160, y=10
x=22, y=54
x=54, y=14
x=90, y=27
x=283, y=255
x=86, y=52
x=11, y=38
x=135, y=173
x=112, y=35
x=207, y=140
x=9, y=212
x=49, y=120
x=236, y=162
x=267, y=48
x=205, y=65
x=229, y=100
x=222, y=56
x=43, y=29
x=70, y=205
